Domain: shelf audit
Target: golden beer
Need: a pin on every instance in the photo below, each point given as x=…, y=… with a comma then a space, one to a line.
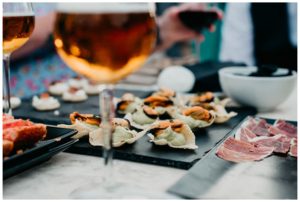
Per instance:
x=105, y=47
x=16, y=32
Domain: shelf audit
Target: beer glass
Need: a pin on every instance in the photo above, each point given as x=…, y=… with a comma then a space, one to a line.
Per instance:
x=105, y=42
x=18, y=24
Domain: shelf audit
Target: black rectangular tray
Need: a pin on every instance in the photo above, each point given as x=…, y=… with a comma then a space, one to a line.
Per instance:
x=57, y=139
x=146, y=152
x=90, y=106
x=274, y=177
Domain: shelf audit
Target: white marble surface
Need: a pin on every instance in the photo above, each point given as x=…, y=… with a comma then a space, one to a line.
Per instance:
x=64, y=173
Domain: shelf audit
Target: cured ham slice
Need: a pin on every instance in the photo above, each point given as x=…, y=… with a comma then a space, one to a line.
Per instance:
x=7, y=117
x=20, y=134
x=256, y=139
x=293, y=148
x=283, y=127
x=25, y=136
x=281, y=143
x=240, y=151
x=16, y=123
x=8, y=147
x=257, y=126
x=244, y=134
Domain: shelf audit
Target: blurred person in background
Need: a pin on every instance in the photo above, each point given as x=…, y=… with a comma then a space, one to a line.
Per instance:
x=260, y=33
x=35, y=65
x=251, y=33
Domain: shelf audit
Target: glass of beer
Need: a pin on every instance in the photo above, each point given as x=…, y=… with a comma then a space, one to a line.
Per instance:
x=18, y=24
x=105, y=42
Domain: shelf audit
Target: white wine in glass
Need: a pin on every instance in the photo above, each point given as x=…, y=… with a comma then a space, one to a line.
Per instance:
x=18, y=24
x=105, y=42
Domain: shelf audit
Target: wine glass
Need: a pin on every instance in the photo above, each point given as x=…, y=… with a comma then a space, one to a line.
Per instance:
x=18, y=24
x=105, y=42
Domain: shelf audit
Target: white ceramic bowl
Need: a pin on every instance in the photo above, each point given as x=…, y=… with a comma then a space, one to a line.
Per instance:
x=263, y=93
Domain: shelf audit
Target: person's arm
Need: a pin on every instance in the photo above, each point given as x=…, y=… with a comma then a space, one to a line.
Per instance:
x=43, y=28
x=171, y=29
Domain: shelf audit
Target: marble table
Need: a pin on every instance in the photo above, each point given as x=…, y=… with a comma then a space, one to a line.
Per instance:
x=65, y=172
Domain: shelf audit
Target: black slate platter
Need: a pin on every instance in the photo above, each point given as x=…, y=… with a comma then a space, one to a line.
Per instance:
x=213, y=178
x=146, y=152
x=57, y=140
x=90, y=106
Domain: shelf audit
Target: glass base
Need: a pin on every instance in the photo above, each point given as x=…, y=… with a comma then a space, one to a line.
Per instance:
x=118, y=190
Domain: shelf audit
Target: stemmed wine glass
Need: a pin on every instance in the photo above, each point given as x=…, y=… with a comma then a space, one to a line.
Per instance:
x=105, y=42
x=18, y=24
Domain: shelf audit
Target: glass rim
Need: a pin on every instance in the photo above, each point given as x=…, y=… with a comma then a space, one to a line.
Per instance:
x=103, y=7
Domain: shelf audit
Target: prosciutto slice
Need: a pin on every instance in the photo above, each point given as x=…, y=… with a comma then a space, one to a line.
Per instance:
x=20, y=134
x=239, y=151
x=293, y=148
x=257, y=126
x=283, y=127
x=281, y=143
x=14, y=123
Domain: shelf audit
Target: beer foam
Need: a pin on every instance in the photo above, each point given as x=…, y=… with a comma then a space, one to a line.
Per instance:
x=18, y=14
x=103, y=7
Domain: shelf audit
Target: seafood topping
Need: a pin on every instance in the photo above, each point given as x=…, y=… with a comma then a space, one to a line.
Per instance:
x=197, y=113
x=158, y=101
x=122, y=105
x=128, y=103
x=173, y=133
x=87, y=118
x=205, y=97
x=150, y=112
x=162, y=125
x=165, y=92
x=126, y=100
x=121, y=122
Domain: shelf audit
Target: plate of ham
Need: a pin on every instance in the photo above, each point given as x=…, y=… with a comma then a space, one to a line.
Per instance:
x=257, y=139
x=256, y=160
x=26, y=143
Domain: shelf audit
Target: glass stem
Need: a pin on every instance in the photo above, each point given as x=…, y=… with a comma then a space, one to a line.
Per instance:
x=7, y=104
x=107, y=114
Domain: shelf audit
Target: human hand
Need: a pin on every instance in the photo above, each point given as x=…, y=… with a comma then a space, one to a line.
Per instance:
x=172, y=30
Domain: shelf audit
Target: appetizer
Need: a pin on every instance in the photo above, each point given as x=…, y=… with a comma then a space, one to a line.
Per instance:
x=77, y=82
x=200, y=98
x=128, y=103
x=74, y=95
x=122, y=134
x=45, y=102
x=58, y=87
x=256, y=139
x=20, y=134
x=165, y=92
x=194, y=117
x=91, y=88
x=14, y=101
x=83, y=123
x=173, y=133
x=142, y=117
x=209, y=101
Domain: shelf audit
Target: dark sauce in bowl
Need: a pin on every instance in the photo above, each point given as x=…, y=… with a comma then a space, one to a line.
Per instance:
x=267, y=71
